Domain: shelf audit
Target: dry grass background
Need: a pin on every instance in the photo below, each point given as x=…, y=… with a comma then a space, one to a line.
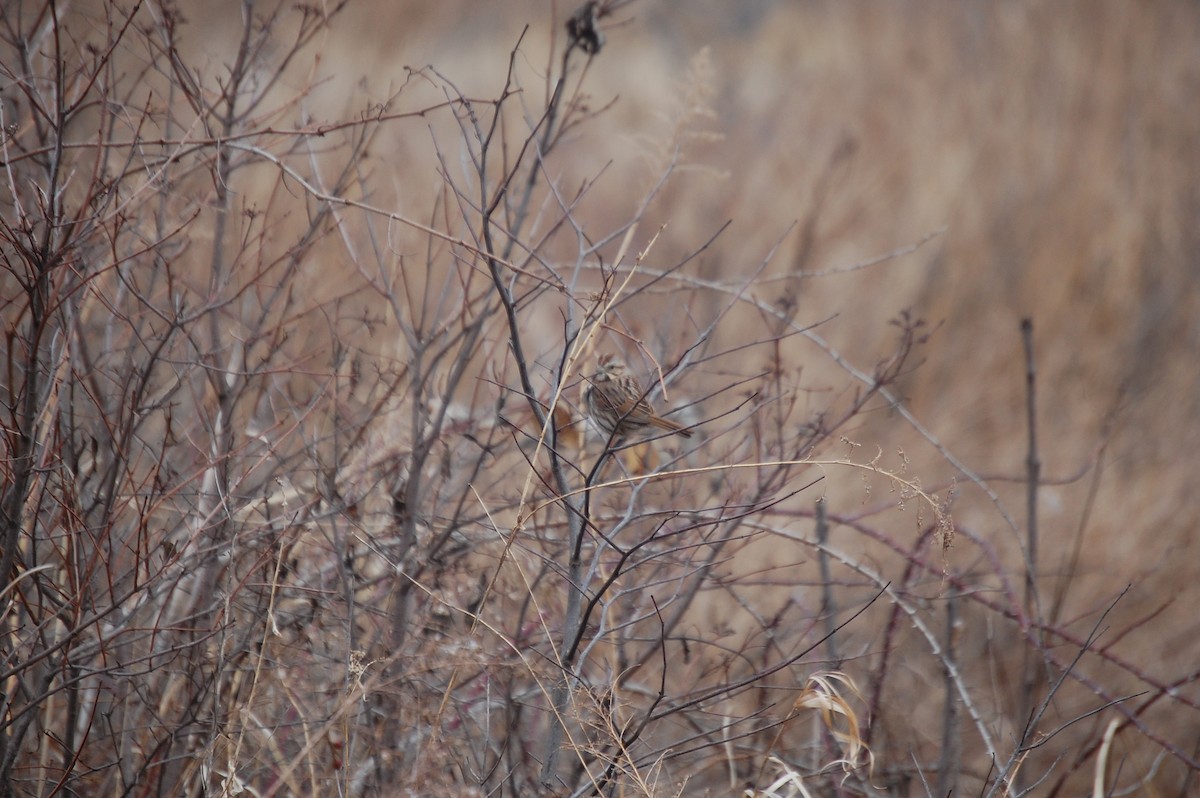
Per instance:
x=1055, y=148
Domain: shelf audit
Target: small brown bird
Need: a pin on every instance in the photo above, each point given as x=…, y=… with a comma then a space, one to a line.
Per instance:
x=614, y=401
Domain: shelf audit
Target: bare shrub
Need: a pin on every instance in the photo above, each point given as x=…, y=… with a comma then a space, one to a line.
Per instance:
x=299, y=496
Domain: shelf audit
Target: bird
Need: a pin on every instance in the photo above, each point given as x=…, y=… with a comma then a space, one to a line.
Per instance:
x=616, y=404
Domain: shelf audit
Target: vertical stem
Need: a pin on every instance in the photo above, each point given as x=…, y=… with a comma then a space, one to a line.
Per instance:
x=1033, y=464
x=1033, y=468
x=828, y=604
x=43, y=254
x=948, y=765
